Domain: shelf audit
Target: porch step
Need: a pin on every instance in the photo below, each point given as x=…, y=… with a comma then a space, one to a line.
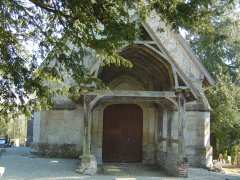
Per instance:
x=112, y=169
x=130, y=171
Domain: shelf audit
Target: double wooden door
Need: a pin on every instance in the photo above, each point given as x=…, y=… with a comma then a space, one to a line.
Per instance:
x=122, y=133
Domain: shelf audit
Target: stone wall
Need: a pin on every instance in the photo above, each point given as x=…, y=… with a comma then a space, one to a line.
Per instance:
x=167, y=144
x=57, y=150
x=58, y=132
x=197, y=138
x=196, y=135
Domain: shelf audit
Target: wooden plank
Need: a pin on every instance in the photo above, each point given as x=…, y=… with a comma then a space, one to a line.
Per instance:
x=117, y=93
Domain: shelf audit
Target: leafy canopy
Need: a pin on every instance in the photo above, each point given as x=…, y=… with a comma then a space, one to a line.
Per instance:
x=33, y=31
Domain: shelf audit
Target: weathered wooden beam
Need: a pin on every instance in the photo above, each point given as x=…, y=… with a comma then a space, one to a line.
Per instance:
x=117, y=93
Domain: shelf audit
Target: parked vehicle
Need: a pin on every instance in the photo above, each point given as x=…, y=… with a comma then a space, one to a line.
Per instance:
x=4, y=143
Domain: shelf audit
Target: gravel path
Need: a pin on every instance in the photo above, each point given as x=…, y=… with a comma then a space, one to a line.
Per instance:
x=19, y=164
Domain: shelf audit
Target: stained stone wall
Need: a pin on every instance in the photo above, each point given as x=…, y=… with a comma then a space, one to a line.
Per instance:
x=167, y=147
x=58, y=132
x=197, y=138
x=196, y=135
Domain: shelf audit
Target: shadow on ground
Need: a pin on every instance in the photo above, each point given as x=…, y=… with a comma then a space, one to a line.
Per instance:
x=20, y=164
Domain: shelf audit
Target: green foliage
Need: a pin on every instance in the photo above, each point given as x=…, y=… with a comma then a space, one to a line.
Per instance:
x=225, y=155
x=234, y=153
x=220, y=53
x=224, y=100
x=3, y=128
x=49, y=26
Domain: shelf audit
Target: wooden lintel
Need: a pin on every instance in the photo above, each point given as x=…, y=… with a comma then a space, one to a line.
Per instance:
x=144, y=94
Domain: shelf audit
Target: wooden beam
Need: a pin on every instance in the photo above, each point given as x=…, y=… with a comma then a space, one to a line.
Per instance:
x=143, y=94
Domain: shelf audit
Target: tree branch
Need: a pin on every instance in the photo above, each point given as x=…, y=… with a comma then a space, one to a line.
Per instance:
x=43, y=6
x=50, y=9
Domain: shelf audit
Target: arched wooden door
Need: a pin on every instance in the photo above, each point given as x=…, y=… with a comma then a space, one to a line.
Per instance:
x=122, y=133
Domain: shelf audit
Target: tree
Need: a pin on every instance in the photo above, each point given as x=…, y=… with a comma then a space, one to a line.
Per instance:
x=220, y=53
x=3, y=127
x=225, y=122
x=102, y=25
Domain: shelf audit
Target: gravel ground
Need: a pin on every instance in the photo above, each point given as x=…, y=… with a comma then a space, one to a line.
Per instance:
x=19, y=164
x=232, y=170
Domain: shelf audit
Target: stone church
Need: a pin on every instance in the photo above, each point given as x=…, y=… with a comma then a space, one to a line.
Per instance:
x=154, y=113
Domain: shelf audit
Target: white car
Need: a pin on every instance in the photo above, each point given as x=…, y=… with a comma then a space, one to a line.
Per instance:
x=4, y=143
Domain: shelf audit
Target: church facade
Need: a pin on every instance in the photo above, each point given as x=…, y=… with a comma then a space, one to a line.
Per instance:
x=154, y=113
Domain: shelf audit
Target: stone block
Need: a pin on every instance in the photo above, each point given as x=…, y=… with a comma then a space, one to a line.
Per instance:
x=88, y=165
x=149, y=152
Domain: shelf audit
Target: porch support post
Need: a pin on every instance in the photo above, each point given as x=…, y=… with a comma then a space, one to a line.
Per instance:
x=88, y=164
x=182, y=163
x=181, y=111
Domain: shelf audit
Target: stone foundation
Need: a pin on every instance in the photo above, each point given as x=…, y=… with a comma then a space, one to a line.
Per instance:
x=170, y=164
x=169, y=161
x=88, y=165
x=149, y=152
x=196, y=156
x=56, y=150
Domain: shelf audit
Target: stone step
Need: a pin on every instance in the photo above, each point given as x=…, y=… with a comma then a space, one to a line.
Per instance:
x=113, y=170
x=130, y=170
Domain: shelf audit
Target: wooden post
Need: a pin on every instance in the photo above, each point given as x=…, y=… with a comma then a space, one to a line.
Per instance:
x=89, y=131
x=88, y=165
x=182, y=164
x=181, y=111
x=85, y=124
